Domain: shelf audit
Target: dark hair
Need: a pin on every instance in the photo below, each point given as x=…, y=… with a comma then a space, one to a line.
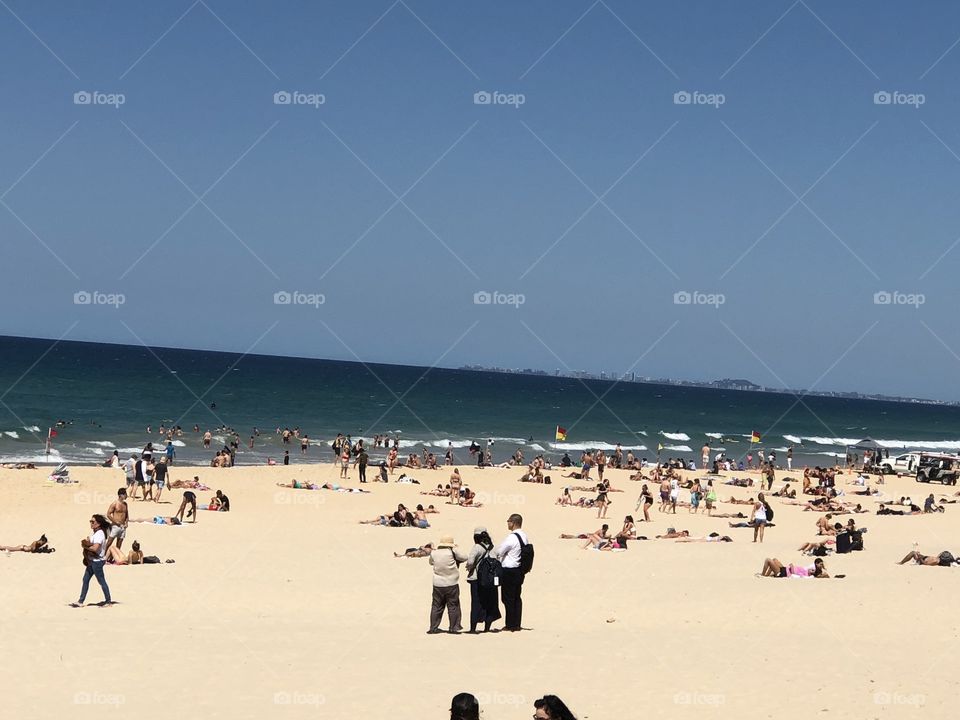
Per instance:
x=102, y=521
x=516, y=519
x=121, y=491
x=464, y=706
x=555, y=708
x=628, y=518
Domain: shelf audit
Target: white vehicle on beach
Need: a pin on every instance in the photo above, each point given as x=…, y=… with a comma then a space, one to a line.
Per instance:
x=905, y=464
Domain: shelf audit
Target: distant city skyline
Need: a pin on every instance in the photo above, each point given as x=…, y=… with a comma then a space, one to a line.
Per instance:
x=690, y=190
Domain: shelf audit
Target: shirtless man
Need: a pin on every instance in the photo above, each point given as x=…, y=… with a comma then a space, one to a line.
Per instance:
x=119, y=515
x=824, y=526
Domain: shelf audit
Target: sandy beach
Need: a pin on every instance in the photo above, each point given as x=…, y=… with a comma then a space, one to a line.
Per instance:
x=287, y=607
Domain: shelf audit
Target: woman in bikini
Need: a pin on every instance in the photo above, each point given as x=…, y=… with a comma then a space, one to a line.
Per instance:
x=646, y=500
x=37, y=546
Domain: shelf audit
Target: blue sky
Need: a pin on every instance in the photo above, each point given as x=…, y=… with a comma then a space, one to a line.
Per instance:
x=787, y=188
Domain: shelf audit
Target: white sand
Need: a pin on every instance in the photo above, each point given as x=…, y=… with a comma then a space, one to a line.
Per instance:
x=287, y=598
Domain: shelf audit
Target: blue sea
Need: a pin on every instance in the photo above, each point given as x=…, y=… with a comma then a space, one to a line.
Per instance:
x=108, y=395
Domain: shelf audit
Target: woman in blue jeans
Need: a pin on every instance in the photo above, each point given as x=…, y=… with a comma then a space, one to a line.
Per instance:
x=94, y=549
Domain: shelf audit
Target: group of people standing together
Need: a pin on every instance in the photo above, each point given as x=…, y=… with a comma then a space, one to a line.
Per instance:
x=488, y=568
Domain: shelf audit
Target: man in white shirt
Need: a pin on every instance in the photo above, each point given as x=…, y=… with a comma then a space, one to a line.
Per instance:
x=94, y=550
x=511, y=580
x=446, y=560
x=129, y=468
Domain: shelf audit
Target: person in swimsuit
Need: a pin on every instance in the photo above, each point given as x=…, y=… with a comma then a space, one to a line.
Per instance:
x=37, y=546
x=189, y=498
x=601, y=502
x=928, y=560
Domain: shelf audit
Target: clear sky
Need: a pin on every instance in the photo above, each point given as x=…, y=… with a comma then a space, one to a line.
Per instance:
x=786, y=189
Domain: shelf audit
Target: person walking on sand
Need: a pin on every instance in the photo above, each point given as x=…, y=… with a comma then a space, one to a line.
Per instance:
x=130, y=470
x=361, y=462
x=758, y=518
x=160, y=476
x=119, y=515
x=446, y=561
x=94, y=552
x=512, y=574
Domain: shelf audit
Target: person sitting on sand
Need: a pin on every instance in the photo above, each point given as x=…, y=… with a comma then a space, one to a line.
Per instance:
x=602, y=534
x=158, y=520
x=420, y=518
x=944, y=559
x=417, y=552
x=816, y=548
x=627, y=532
x=469, y=499
x=37, y=546
x=786, y=492
x=599, y=539
x=135, y=556
x=774, y=568
x=565, y=498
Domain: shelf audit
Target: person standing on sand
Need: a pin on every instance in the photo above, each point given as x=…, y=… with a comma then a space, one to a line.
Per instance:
x=705, y=456
x=118, y=514
x=94, y=552
x=130, y=470
x=361, y=462
x=512, y=578
x=790, y=458
x=758, y=519
x=484, y=603
x=159, y=477
x=446, y=561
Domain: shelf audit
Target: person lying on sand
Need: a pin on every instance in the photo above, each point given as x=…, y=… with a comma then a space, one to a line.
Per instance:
x=944, y=559
x=603, y=532
x=735, y=501
x=672, y=534
x=811, y=548
x=440, y=491
x=194, y=484
x=740, y=482
x=37, y=546
x=417, y=552
x=776, y=569
x=786, y=492
x=737, y=515
x=884, y=510
x=712, y=537
x=18, y=466
x=158, y=520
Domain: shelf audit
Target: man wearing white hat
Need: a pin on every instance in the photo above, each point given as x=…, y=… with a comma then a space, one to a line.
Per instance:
x=446, y=561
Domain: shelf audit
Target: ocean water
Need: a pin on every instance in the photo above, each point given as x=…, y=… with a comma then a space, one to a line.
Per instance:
x=110, y=394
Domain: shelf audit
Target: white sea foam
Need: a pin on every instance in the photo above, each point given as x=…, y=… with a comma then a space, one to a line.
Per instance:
x=511, y=440
x=97, y=451
x=841, y=442
x=921, y=444
x=12, y=433
x=36, y=459
x=678, y=448
x=793, y=439
x=682, y=437
x=642, y=432
x=536, y=447
x=565, y=446
x=103, y=443
x=718, y=436
x=31, y=428
x=438, y=443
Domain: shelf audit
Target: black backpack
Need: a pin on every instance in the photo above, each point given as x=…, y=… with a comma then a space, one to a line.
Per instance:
x=489, y=570
x=946, y=558
x=526, y=555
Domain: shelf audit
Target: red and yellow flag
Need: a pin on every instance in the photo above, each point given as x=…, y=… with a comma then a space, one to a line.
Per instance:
x=561, y=434
x=755, y=437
